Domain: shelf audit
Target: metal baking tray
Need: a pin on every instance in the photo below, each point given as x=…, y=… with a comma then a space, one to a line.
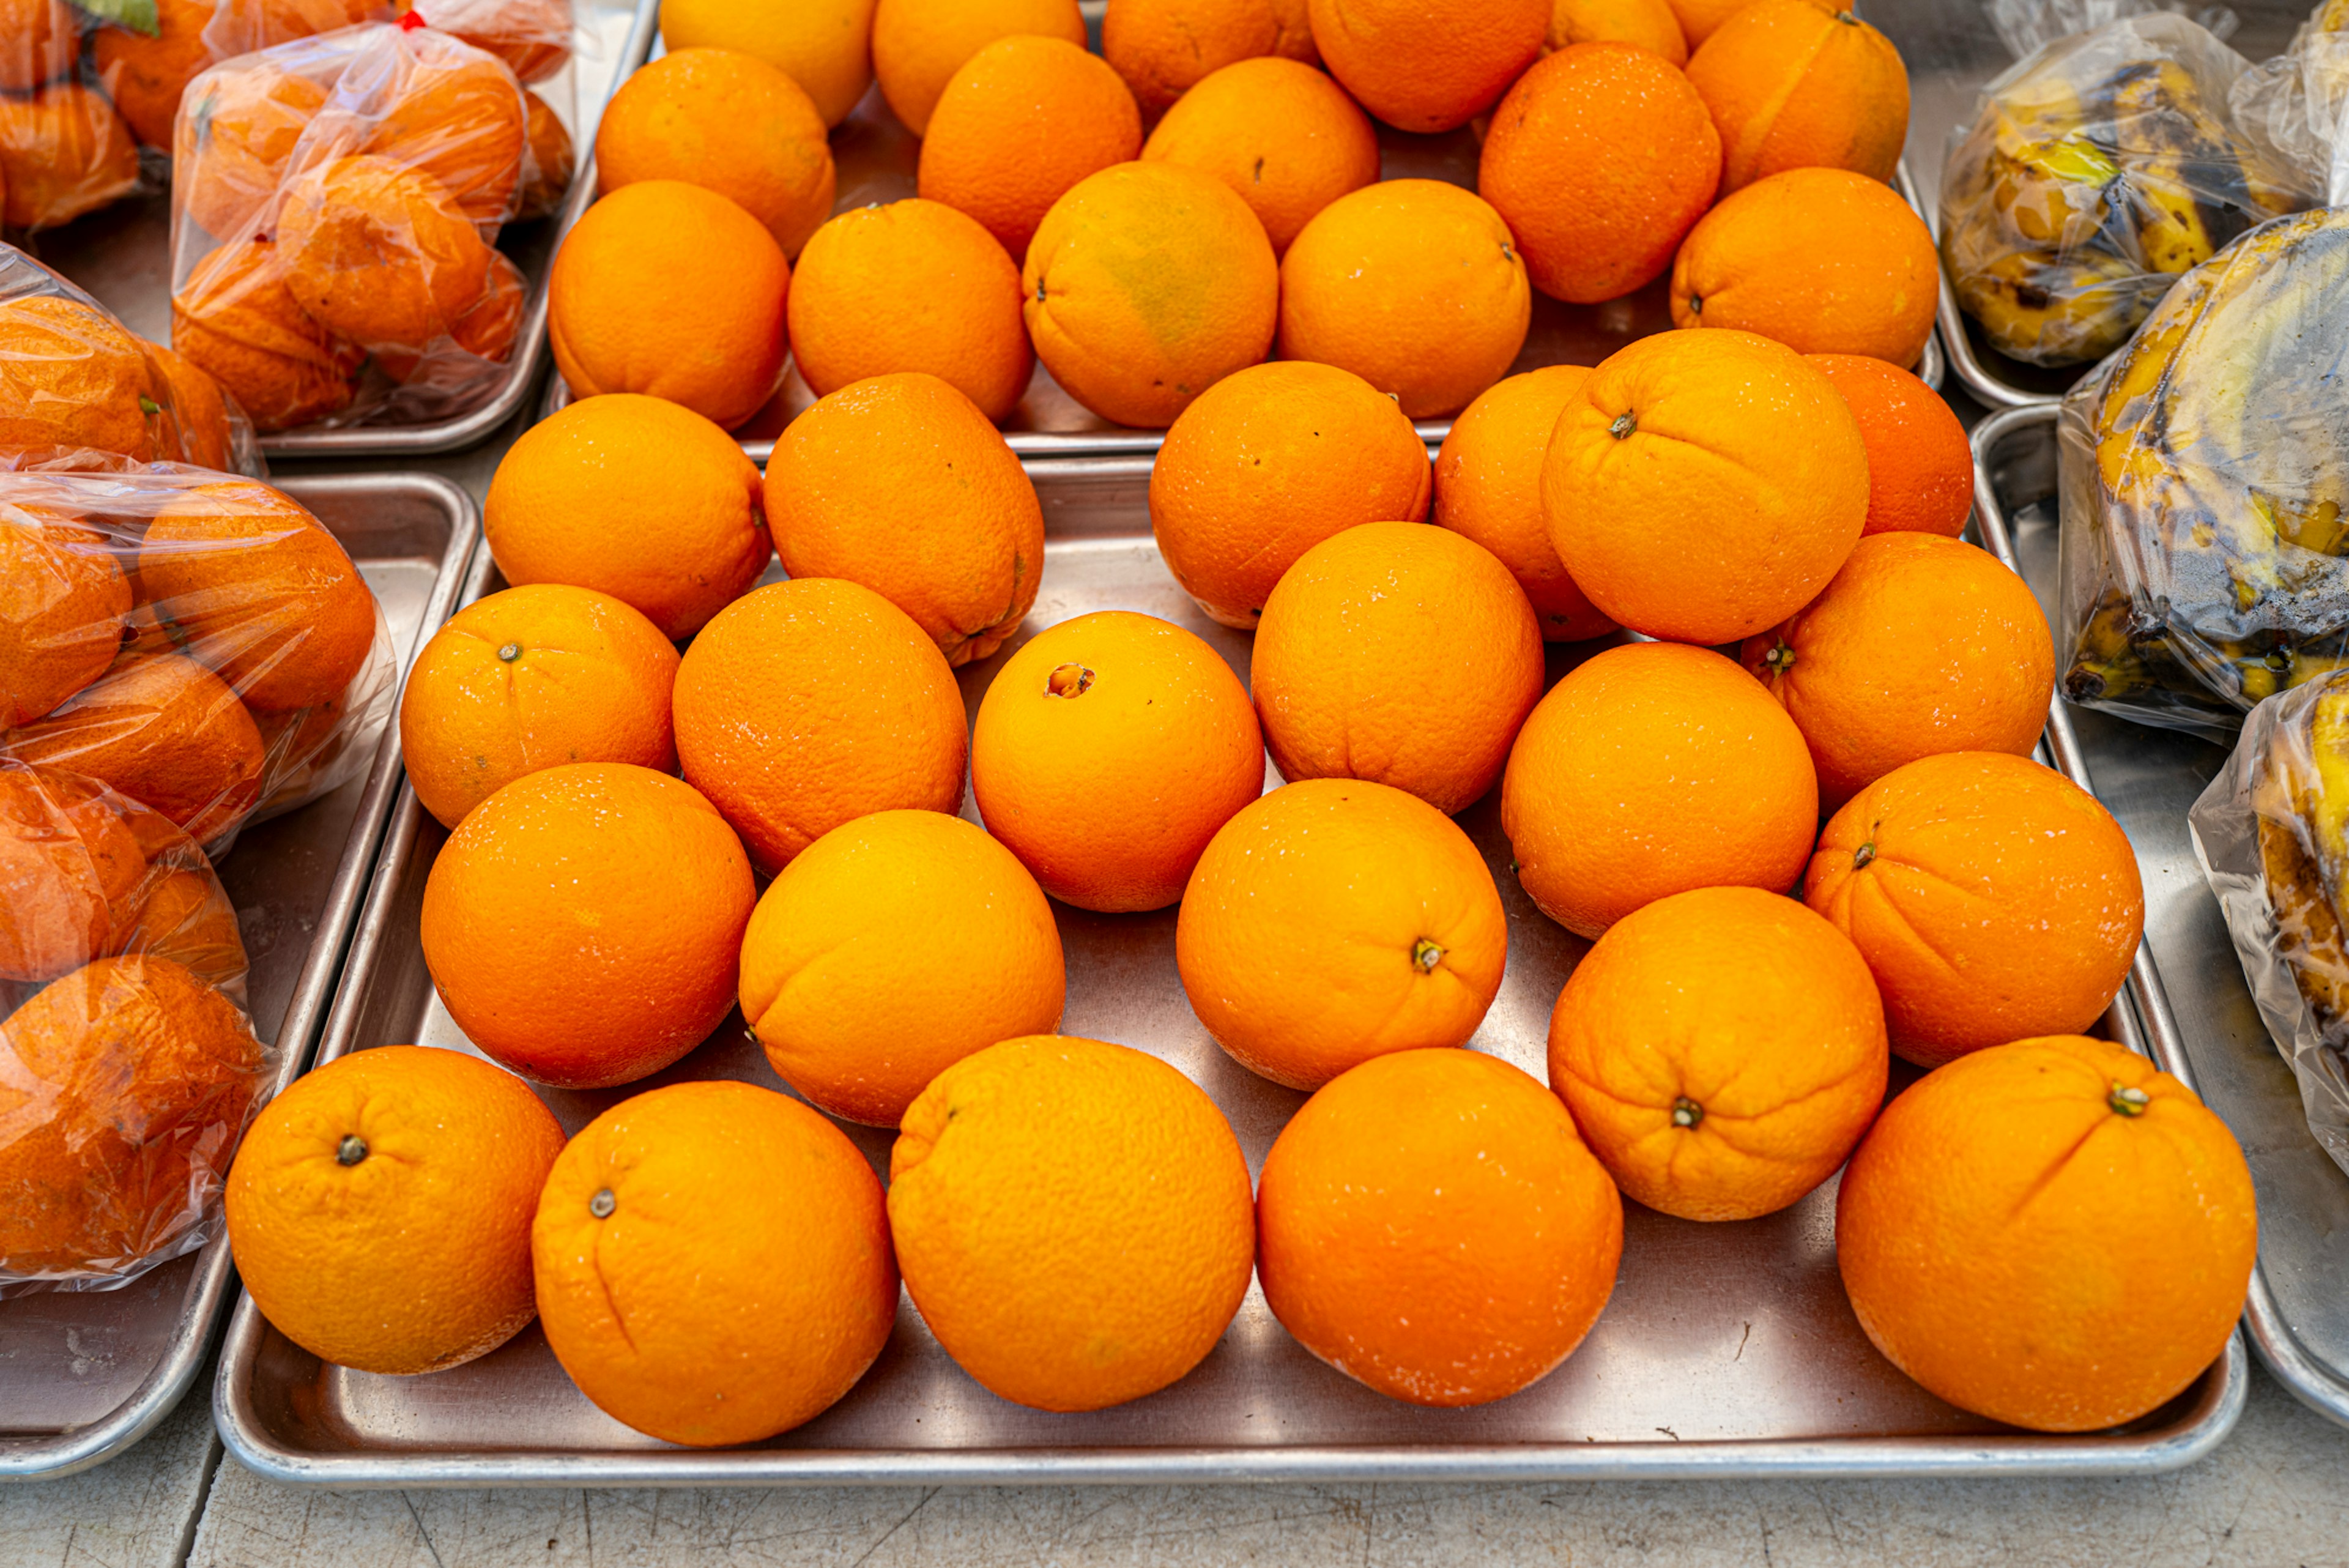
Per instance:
x=1727, y=1350
x=877, y=157
x=122, y=255
x=86, y=1373
x=2201, y=1023
x=1953, y=53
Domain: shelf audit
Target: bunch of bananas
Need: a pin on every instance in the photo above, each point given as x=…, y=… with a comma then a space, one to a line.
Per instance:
x=2299, y=795
x=2206, y=488
x=2094, y=175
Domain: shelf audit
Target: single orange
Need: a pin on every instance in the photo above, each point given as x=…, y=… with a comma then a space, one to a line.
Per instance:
x=1723, y=1050
x=1415, y=285
x=199, y=409
x=1991, y=897
x=63, y=604
x=1426, y=67
x=232, y=146
x=1793, y=84
x=2050, y=1233
x=1283, y=136
x=825, y=46
x=144, y=73
x=811, y=702
x=1488, y=488
x=1601, y=159
x=1401, y=654
x=66, y=862
x=902, y=485
x=1651, y=769
x=63, y=152
x=889, y=950
x=455, y=116
x=72, y=377
x=1050, y=1267
x=1920, y=469
x=1266, y=465
x=180, y=911
x=910, y=285
x=528, y=678
x=1107, y=752
x=1147, y=285
x=1164, y=49
x=1430, y=1225
x=380, y=1207
x=1335, y=920
x=1704, y=485
x=919, y=45
x=1648, y=24
x=636, y=497
x=664, y=1276
x=1921, y=645
x=583, y=925
x=235, y=318
x=379, y=253
x=483, y=335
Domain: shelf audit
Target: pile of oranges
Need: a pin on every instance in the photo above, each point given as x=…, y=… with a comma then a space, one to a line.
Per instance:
x=2043, y=1229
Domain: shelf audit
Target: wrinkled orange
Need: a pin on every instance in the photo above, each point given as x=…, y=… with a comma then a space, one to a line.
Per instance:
x=162, y=730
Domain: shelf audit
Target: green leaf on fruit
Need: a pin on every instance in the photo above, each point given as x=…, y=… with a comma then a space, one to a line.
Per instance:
x=138, y=15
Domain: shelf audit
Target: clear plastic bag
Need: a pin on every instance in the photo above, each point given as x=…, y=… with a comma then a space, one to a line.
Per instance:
x=2297, y=104
x=334, y=212
x=2091, y=176
x=2204, y=554
x=197, y=643
x=2024, y=25
x=64, y=149
x=128, y=1067
x=75, y=379
x=2272, y=831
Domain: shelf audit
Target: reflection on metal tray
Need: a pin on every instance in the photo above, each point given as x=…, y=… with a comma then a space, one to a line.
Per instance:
x=876, y=156
x=2201, y=1023
x=85, y=1374
x=1726, y=1349
x=1953, y=53
x=122, y=254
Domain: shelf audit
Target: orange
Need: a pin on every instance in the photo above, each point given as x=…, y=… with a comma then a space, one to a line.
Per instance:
x=2050, y=1233
x=1107, y=752
x=910, y=285
x=1991, y=897
x=145, y=72
x=1824, y=261
x=531, y=37
x=1147, y=285
x=583, y=924
x=1414, y=286
x=484, y=333
x=131, y=1080
x=548, y=161
x=66, y=861
x=633, y=497
x=379, y=253
x=182, y=913
x=728, y=123
x=666, y=288
x=1920, y=469
x=1704, y=485
x=1723, y=1050
x=232, y=146
x=1428, y=64
x=822, y=45
x=919, y=45
x=1792, y=84
x=240, y=27
x=1398, y=653
x=1283, y=136
x=1648, y=24
x=455, y=116
x=1651, y=769
x=1164, y=49
x=1266, y=465
x=70, y=376
x=1431, y=1226
x=1335, y=920
x=528, y=678
x=811, y=702
x=1921, y=645
x=1488, y=489
x=162, y=730
x=1601, y=159
x=63, y=601
x=889, y=950
x=1019, y=125
x=43, y=41
x=900, y=483
x=253, y=587
x=236, y=320
x=199, y=409
x=1073, y=1219
x=381, y=1208
x=63, y=152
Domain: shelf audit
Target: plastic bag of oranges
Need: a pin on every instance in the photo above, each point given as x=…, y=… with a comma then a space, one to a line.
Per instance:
x=64, y=149
x=128, y=1067
x=75, y=379
x=336, y=206
x=198, y=643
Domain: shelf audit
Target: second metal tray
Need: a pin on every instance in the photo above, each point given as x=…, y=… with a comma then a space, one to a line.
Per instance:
x=1727, y=1350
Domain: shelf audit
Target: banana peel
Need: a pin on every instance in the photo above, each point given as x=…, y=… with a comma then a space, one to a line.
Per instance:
x=2301, y=798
